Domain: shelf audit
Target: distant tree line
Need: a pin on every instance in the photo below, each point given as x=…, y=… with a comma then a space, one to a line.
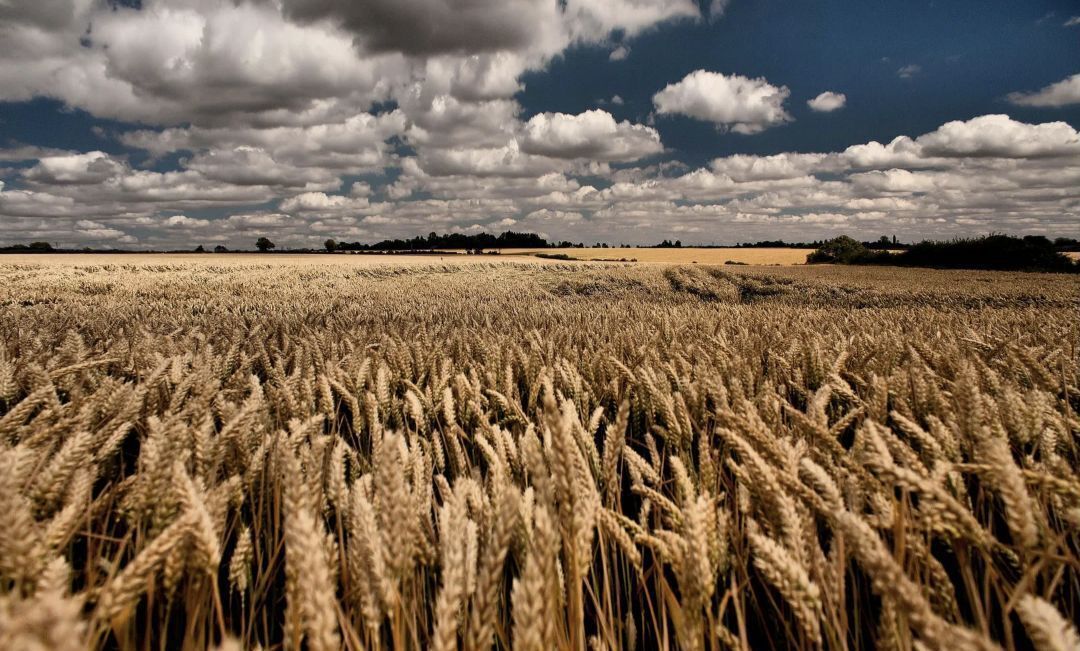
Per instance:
x=882, y=243
x=472, y=243
x=778, y=244
x=994, y=251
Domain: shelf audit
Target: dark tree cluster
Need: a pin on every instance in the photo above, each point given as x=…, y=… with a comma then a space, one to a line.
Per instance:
x=994, y=251
x=1066, y=244
x=33, y=247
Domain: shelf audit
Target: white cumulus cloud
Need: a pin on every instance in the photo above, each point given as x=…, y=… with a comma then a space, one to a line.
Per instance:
x=593, y=134
x=827, y=102
x=909, y=71
x=742, y=104
x=1000, y=136
x=1063, y=93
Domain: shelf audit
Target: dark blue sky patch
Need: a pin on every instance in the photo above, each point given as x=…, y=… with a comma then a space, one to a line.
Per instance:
x=48, y=123
x=970, y=55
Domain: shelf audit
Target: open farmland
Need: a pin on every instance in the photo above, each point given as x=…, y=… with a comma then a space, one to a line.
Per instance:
x=322, y=453
x=250, y=260
x=685, y=255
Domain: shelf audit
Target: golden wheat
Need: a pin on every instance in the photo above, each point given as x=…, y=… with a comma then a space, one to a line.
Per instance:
x=199, y=455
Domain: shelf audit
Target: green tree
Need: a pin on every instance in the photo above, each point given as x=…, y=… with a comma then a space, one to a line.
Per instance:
x=330, y=245
x=839, y=250
x=264, y=244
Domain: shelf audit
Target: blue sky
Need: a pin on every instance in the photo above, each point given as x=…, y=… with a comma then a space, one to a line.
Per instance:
x=171, y=124
x=971, y=55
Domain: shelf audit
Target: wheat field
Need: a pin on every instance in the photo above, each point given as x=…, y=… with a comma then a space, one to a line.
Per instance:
x=682, y=255
x=326, y=456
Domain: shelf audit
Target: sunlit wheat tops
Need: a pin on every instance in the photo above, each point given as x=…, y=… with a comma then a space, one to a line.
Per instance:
x=537, y=457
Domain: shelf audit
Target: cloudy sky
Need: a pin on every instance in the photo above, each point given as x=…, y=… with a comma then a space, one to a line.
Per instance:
x=171, y=123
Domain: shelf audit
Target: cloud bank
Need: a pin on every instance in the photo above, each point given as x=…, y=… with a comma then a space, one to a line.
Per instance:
x=987, y=173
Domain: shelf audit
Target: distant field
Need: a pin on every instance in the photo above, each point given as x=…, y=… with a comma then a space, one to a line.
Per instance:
x=781, y=256
x=778, y=256
x=686, y=255
x=240, y=259
x=1075, y=255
